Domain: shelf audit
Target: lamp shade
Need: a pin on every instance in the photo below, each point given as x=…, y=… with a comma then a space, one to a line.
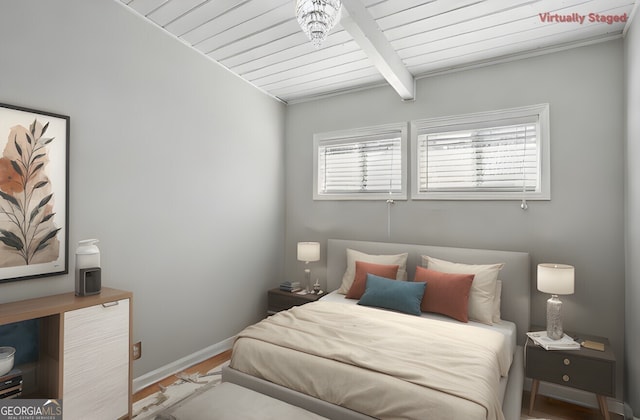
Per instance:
x=308, y=251
x=556, y=279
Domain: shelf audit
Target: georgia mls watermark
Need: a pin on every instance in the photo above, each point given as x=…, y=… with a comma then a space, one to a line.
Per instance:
x=30, y=409
x=549, y=17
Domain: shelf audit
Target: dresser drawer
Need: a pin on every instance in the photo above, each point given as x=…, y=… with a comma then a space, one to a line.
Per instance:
x=572, y=369
x=96, y=356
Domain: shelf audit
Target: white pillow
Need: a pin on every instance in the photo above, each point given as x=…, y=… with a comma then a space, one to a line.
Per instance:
x=483, y=287
x=352, y=256
x=496, y=301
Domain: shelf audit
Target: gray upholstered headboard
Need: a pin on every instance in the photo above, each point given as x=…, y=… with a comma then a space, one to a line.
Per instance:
x=515, y=275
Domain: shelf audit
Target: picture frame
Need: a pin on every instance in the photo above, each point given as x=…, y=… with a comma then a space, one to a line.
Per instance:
x=34, y=193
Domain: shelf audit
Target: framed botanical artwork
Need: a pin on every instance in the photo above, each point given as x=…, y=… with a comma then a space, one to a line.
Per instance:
x=34, y=200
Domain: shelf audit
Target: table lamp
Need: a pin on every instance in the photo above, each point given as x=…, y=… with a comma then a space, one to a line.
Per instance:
x=556, y=279
x=308, y=252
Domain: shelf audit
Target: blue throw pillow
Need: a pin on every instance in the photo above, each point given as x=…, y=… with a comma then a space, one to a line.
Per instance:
x=402, y=296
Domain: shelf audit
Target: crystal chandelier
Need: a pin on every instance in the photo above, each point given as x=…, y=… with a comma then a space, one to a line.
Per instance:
x=317, y=17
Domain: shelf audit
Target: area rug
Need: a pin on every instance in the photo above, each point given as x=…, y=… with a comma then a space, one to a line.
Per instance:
x=184, y=386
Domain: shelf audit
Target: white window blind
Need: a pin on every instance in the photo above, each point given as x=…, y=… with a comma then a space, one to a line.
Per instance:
x=491, y=159
x=496, y=155
x=365, y=163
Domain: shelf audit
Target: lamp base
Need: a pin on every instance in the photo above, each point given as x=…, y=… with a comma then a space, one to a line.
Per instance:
x=554, y=318
x=307, y=280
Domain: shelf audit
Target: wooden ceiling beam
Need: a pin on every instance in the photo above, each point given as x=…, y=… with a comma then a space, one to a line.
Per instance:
x=359, y=23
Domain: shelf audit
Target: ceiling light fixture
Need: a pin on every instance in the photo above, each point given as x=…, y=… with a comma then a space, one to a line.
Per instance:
x=317, y=18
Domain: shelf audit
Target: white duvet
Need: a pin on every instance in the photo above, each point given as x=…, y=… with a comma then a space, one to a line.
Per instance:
x=381, y=363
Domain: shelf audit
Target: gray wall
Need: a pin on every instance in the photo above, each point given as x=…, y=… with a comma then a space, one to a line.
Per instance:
x=632, y=195
x=158, y=132
x=176, y=166
x=583, y=223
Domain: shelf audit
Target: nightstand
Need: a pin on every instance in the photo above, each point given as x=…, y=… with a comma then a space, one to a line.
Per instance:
x=585, y=369
x=279, y=300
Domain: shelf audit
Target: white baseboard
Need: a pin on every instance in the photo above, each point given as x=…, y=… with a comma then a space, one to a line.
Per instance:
x=179, y=365
x=576, y=396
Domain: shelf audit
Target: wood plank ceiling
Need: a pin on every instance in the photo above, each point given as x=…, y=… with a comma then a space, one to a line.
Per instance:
x=260, y=40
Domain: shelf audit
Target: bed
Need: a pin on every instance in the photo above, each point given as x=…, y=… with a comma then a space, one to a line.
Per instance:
x=380, y=384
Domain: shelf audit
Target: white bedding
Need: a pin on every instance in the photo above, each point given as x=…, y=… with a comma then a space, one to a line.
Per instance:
x=378, y=380
x=506, y=328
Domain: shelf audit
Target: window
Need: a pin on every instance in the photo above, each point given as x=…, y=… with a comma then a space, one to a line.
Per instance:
x=500, y=155
x=361, y=164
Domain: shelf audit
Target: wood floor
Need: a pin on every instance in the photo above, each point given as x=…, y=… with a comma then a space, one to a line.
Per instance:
x=552, y=409
x=205, y=366
x=545, y=407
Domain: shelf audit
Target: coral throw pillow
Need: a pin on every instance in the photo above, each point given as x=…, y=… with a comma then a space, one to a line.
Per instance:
x=360, y=279
x=446, y=293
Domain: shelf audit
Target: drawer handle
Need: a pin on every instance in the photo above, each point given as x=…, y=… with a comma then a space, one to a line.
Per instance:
x=566, y=362
x=110, y=304
x=565, y=378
